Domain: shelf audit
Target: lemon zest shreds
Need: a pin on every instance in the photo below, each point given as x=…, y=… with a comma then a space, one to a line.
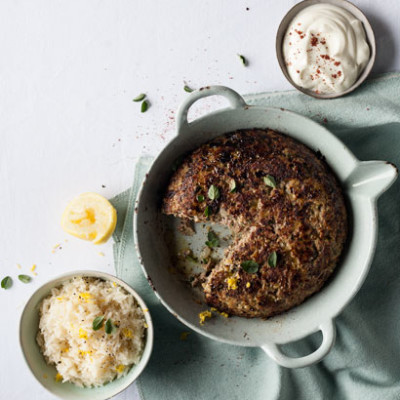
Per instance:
x=127, y=333
x=83, y=352
x=232, y=283
x=58, y=377
x=120, y=368
x=184, y=335
x=82, y=333
x=204, y=315
x=85, y=296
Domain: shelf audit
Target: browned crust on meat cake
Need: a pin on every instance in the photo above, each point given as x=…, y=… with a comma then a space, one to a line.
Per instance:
x=303, y=219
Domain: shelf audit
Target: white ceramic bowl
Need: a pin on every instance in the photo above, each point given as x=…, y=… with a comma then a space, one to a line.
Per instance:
x=45, y=373
x=352, y=9
x=362, y=183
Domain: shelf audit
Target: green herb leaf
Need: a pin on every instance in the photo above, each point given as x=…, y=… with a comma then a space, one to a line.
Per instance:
x=272, y=259
x=144, y=107
x=250, y=266
x=24, y=278
x=232, y=186
x=189, y=255
x=207, y=212
x=270, y=181
x=243, y=60
x=200, y=198
x=98, y=323
x=7, y=282
x=139, y=97
x=213, y=240
x=213, y=192
x=110, y=327
x=186, y=88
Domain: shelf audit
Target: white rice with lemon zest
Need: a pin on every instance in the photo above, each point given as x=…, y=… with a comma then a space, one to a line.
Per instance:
x=82, y=355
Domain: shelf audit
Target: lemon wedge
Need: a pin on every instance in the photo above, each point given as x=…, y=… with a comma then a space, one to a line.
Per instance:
x=90, y=216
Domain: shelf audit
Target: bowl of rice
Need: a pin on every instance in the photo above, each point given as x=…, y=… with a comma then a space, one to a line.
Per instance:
x=86, y=335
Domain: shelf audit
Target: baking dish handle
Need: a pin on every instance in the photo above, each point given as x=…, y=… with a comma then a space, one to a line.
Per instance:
x=328, y=330
x=235, y=100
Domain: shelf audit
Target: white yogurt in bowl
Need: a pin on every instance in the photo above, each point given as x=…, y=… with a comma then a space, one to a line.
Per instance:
x=325, y=49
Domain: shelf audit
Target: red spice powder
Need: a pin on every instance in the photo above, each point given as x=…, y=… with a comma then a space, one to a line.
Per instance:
x=339, y=73
x=334, y=76
x=325, y=56
x=337, y=63
x=314, y=41
x=323, y=41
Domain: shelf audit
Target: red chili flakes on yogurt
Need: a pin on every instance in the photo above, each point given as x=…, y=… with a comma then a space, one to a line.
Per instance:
x=323, y=58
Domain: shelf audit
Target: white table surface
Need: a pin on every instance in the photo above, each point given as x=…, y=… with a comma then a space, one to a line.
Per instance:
x=68, y=73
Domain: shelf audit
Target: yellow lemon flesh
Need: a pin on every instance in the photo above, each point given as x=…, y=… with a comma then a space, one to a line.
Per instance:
x=90, y=216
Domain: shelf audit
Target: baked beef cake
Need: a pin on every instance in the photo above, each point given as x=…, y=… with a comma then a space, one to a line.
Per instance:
x=286, y=212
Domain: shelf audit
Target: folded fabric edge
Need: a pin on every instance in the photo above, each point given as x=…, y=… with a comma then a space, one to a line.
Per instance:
x=119, y=203
x=121, y=238
x=376, y=78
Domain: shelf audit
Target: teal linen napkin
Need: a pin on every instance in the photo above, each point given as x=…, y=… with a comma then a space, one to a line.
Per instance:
x=365, y=361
